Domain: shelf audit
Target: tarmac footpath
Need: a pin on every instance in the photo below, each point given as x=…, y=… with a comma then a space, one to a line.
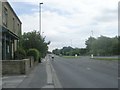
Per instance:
x=42, y=76
x=37, y=75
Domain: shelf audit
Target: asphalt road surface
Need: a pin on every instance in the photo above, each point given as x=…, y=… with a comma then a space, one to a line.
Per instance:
x=84, y=72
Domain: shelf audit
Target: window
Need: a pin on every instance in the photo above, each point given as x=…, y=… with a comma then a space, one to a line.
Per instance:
x=8, y=49
x=13, y=25
x=18, y=29
x=5, y=16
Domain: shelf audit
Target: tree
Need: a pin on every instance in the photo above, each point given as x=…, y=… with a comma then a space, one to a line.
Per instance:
x=34, y=40
x=89, y=44
x=102, y=46
x=98, y=46
x=56, y=51
x=83, y=51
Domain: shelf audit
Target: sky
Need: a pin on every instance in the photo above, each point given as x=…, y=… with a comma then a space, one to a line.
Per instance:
x=68, y=22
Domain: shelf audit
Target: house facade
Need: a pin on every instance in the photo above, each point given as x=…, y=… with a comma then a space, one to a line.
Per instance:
x=0, y=31
x=11, y=30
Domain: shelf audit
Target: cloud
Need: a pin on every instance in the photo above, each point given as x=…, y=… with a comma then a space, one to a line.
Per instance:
x=70, y=22
x=26, y=8
x=107, y=15
x=29, y=22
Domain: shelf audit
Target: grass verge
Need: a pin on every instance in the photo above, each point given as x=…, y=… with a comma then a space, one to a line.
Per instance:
x=110, y=59
x=71, y=56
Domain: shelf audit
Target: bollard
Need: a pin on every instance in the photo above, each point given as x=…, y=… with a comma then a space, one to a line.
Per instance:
x=91, y=55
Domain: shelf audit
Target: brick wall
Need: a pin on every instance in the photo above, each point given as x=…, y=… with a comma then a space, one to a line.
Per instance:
x=16, y=67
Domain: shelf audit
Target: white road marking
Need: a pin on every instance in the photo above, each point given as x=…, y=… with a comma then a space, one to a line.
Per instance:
x=48, y=86
x=20, y=76
x=5, y=77
x=88, y=68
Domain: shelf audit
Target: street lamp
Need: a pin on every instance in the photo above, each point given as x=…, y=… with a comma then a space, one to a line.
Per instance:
x=42, y=34
x=40, y=17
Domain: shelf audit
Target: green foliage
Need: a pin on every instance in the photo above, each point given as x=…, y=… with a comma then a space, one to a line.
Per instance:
x=89, y=44
x=34, y=40
x=118, y=45
x=69, y=51
x=69, y=57
x=35, y=53
x=102, y=46
x=56, y=51
x=19, y=54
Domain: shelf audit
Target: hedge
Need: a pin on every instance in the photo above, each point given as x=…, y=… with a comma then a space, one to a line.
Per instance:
x=35, y=53
x=19, y=54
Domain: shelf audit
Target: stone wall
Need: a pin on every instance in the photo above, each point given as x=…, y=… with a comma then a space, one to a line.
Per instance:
x=16, y=67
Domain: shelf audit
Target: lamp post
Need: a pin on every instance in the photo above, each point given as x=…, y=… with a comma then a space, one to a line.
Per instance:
x=40, y=17
x=42, y=34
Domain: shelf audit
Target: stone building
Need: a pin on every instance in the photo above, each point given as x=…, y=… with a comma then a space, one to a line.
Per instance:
x=10, y=26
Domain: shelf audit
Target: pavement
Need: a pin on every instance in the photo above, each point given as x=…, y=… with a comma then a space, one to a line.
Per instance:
x=42, y=76
x=12, y=81
x=0, y=83
x=37, y=75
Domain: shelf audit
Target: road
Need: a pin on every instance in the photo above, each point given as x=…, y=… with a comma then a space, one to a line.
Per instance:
x=84, y=72
x=80, y=72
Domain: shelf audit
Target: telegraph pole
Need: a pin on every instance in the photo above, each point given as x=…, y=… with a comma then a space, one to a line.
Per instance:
x=40, y=17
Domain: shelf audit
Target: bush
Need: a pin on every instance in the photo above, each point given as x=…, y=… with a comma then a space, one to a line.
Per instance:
x=19, y=54
x=35, y=53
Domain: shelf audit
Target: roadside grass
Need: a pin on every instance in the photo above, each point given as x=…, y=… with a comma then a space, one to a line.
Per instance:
x=71, y=56
x=109, y=59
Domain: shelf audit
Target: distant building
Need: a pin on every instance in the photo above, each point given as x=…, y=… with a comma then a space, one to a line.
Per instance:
x=11, y=30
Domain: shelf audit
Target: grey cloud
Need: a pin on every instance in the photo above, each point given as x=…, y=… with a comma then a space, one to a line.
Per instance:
x=107, y=15
x=110, y=11
x=57, y=10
